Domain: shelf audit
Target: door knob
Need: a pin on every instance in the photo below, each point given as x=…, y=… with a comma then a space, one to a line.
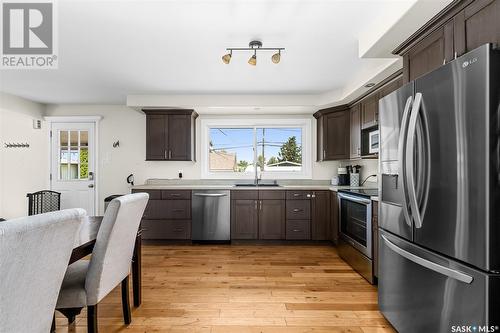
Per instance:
x=91, y=185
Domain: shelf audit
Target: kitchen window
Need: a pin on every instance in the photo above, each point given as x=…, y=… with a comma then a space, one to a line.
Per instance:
x=278, y=149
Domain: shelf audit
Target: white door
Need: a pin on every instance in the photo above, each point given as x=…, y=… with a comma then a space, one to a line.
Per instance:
x=73, y=164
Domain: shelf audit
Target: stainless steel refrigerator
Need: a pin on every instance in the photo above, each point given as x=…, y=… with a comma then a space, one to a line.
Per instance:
x=439, y=210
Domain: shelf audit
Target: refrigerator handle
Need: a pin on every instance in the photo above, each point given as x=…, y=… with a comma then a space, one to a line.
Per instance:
x=454, y=274
x=409, y=160
x=401, y=153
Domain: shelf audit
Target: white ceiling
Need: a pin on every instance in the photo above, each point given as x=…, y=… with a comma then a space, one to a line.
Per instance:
x=111, y=49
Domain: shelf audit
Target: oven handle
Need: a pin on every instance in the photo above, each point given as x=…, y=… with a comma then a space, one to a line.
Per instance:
x=354, y=198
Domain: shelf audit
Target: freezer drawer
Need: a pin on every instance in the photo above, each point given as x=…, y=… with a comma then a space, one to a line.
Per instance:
x=420, y=291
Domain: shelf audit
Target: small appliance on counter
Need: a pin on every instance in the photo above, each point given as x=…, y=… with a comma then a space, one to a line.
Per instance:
x=354, y=176
x=343, y=176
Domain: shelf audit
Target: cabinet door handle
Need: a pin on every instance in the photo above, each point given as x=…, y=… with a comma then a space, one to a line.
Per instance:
x=255, y=204
x=296, y=210
x=324, y=153
x=308, y=195
x=261, y=205
x=169, y=154
x=296, y=230
x=296, y=195
x=165, y=154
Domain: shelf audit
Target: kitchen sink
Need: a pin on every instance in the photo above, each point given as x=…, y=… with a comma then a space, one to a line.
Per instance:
x=267, y=184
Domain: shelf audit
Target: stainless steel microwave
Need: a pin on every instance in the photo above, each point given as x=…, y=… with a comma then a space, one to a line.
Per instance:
x=373, y=142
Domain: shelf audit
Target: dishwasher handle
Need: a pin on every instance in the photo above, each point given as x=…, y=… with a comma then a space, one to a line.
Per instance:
x=210, y=194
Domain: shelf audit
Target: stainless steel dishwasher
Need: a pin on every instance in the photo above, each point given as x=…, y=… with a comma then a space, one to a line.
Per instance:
x=211, y=216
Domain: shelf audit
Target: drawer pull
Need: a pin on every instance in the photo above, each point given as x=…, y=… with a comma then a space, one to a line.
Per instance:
x=296, y=210
x=296, y=230
x=178, y=210
x=179, y=229
x=296, y=194
x=175, y=195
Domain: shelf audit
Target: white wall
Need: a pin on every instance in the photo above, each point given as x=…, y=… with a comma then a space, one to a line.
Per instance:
x=129, y=127
x=22, y=170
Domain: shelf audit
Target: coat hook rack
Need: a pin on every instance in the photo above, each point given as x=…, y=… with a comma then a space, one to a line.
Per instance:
x=16, y=145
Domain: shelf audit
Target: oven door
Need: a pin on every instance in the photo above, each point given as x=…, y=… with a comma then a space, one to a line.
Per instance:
x=355, y=222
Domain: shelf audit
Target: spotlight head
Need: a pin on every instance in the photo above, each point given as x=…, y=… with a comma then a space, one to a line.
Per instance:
x=226, y=58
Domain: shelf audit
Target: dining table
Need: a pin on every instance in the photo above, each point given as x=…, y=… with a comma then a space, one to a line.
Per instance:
x=84, y=244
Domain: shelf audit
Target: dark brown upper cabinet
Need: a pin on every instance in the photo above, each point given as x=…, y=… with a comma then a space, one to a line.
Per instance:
x=355, y=131
x=369, y=111
x=429, y=54
x=333, y=133
x=459, y=28
x=170, y=135
x=477, y=24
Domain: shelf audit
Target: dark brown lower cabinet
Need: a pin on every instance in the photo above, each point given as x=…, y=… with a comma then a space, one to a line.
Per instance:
x=298, y=229
x=167, y=215
x=375, y=237
x=320, y=215
x=166, y=229
x=272, y=219
x=334, y=218
x=244, y=219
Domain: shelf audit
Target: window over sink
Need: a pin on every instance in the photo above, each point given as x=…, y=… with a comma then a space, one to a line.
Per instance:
x=277, y=148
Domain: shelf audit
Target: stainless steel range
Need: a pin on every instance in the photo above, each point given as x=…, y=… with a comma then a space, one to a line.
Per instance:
x=355, y=229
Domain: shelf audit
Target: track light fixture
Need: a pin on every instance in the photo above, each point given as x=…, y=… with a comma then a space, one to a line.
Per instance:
x=227, y=57
x=254, y=46
x=253, y=59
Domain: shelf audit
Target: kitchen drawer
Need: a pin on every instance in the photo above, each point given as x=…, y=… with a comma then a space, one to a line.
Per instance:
x=298, y=209
x=175, y=195
x=244, y=195
x=166, y=229
x=298, y=229
x=272, y=195
x=298, y=195
x=153, y=194
x=168, y=209
x=177, y=209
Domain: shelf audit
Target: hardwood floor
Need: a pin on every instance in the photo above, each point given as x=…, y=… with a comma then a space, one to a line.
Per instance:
x=244, y=288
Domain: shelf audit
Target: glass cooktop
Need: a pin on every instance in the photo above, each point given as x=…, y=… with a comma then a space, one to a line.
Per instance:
x=367, y=192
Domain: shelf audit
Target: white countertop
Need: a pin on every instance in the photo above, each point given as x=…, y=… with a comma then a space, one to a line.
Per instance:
x=243, y=188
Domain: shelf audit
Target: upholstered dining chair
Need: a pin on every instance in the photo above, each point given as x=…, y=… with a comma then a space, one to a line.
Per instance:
x=34, y=256
x=87, y=282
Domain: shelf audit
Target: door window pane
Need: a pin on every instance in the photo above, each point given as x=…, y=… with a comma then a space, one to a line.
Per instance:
x=63, y=138
x=73, y=138
x=231, y=150
x=84, y=138
x=73, y=157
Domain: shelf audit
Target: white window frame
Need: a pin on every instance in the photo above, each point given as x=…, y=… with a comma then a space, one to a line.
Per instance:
x=243, y=122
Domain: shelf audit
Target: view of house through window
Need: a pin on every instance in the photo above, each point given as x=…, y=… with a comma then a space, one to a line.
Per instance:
x=73, y=157
x=269, y=148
